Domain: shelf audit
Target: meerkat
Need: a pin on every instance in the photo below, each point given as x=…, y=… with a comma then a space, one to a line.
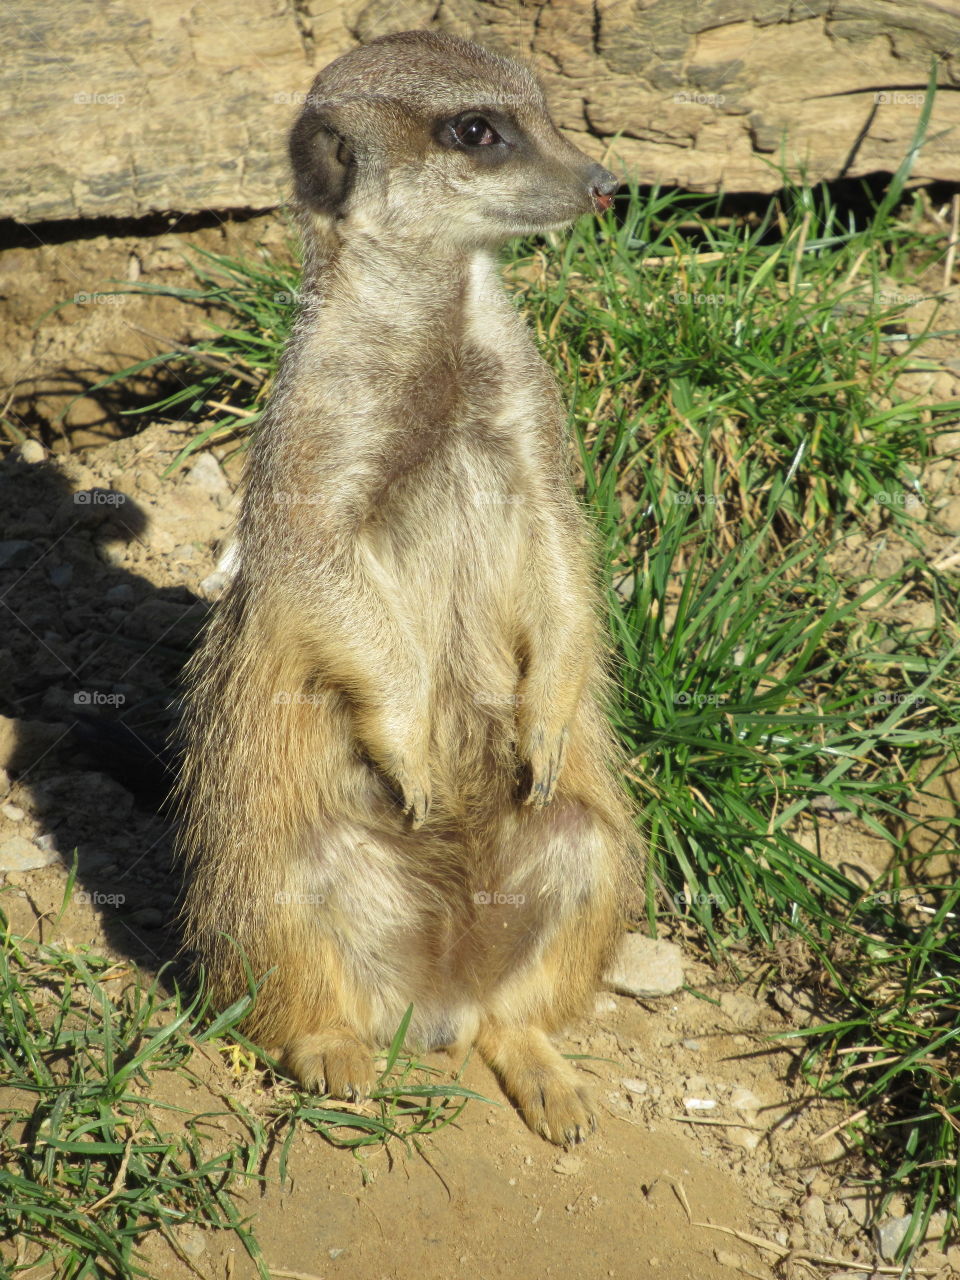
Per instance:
x=398, y=782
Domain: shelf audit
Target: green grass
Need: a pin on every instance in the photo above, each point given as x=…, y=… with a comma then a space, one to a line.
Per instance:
x=91, y=1162
x=735, y=415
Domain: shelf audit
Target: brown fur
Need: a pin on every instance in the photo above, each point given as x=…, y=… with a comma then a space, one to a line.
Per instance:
x=398, y=780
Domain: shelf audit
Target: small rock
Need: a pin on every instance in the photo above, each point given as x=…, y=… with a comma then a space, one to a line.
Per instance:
x=112, y=551
x=148, y=917
x=745, y=1101
x=947, y=517
x=122, y=593
x=191, y=1240
x=634, y=1086
x=30, y=451
x=836, y=1215
x=813, y=1212
x=646, y=967
x=208, y=475
x=890, y=1235
x=747, y=1139
x=214, y=583
x=568, y=1163
x=728, y=1259
x=46, y=842
x=699, y=1104
x=20, y=854
x=17, y=554
x=12, y=812
x=61, y=575
x=693, y=1045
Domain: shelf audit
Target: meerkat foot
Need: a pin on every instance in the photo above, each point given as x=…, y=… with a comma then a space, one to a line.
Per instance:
x=333, y=1062
x=542, y=1085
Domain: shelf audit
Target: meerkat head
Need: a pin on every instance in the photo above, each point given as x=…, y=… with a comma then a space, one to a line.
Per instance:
x=428, y=135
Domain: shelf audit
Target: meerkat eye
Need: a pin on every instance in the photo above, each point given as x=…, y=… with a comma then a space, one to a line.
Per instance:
x=474, y=131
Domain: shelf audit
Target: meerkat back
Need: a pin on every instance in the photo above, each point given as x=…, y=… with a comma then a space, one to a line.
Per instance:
x=397, y=785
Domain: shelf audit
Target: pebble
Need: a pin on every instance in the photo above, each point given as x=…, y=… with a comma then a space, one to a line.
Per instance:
x=632, y=1085
x=814, y=1214
x=20, y=854
x=604, y=1002
x=214, y=583
x=31, y=451
x=148, y=917
x=568, y=1163
x=207, y=474
x=699, y=1104
x=693, y=1045
x=947, y=517
x=61, y=575
x=191, y=1240
x=890, y=1235
x=12, y=812
x=646, y=967
x=745, y=1101
x=17, y=554
x=122, y=593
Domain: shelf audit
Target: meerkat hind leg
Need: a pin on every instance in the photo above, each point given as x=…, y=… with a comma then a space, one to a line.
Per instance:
x=539, y=1081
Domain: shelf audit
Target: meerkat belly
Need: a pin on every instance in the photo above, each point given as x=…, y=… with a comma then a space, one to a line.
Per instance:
x=457, y=551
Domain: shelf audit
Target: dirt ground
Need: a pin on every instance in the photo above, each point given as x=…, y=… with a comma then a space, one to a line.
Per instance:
x=106, y=573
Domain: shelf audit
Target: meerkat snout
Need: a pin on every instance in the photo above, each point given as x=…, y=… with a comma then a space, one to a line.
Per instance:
x=432, y=136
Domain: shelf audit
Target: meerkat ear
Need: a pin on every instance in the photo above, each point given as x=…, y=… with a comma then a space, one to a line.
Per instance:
x=323, y=164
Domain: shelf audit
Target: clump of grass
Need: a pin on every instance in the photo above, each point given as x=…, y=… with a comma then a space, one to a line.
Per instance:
x=88, y=1169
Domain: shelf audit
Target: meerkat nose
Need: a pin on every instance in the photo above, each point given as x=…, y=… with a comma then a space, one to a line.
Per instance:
x=602, y=186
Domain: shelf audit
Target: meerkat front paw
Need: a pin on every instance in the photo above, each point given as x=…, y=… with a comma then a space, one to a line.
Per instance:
x=414, y=794
x=333, y=1062
x=544, y=756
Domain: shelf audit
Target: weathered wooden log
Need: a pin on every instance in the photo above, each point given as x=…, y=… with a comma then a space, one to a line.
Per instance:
x=116, y=109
